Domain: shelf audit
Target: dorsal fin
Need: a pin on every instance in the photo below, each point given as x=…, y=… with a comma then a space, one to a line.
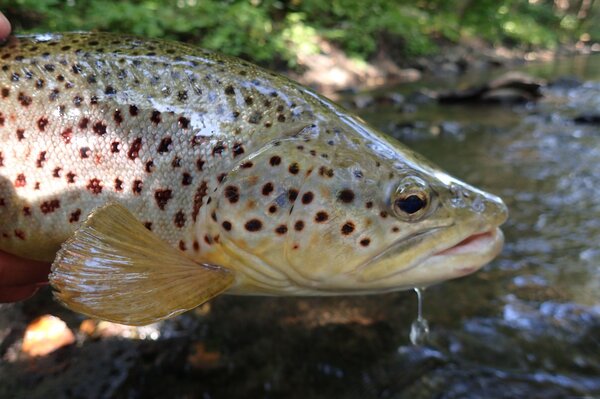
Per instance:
x=115, y=269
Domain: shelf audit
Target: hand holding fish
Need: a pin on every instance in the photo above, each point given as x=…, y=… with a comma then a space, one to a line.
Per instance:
x=19, y=278
x=4, y=27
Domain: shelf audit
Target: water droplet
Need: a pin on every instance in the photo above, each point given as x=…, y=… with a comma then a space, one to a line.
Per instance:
x=419, y=329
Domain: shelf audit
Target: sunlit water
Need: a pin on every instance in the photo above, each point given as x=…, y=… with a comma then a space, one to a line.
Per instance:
x=525, y=326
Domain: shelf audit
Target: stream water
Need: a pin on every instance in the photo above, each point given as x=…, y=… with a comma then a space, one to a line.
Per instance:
x=526, y=326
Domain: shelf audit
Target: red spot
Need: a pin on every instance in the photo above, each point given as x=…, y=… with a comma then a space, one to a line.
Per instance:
x=118, y=184
x=182, y=246
x=83, y=123
x=24, y=99
x=198, y=199
x=41, y=159
x=148, y=225
x=164, y=145
x=20, y=234
x=137, y=187
x=56, y=172
x=114, y=147
x=26, y=211
x=118, y=117
x=184, y=123
x=20, y=134
x=49, y=206
x=179, y=219
x=42, y=123
x=71, y=177
x=162, y=197
x=134, y=150
x=196, y=245
x=66, y=135
x=1, y=159
x=20, y=181
x=95, y=186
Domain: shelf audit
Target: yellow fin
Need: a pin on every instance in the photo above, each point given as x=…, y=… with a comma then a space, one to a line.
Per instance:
x=115, y=269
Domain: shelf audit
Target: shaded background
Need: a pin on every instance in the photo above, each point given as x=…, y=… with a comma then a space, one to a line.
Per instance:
x=527, y=325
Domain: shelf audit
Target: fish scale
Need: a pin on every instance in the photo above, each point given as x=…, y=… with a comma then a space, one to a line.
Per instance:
x=157, y=175
x=143, y=123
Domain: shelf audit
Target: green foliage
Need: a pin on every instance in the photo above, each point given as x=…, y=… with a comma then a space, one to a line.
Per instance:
x=275, y=31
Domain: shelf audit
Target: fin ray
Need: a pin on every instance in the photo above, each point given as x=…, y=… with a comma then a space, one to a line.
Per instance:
x=113, y=268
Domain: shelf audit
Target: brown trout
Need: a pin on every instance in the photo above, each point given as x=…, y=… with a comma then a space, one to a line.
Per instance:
x=170, y=174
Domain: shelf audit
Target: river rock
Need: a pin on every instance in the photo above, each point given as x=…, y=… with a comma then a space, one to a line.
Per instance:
x=587, y=119
x=512, y=87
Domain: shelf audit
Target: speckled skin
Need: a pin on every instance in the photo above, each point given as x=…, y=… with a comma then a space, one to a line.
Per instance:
x=232, y=164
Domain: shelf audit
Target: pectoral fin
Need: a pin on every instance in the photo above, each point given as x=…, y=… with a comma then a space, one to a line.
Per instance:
x=114, y=269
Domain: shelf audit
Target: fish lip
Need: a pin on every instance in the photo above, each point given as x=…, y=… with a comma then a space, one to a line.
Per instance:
x=471, y=240
x=397, y=244
x=489, y=231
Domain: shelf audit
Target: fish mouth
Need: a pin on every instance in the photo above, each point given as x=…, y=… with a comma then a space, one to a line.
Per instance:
x=473, y=243
x=427, y=262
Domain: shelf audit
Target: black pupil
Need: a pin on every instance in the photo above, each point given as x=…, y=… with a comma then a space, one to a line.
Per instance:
x=410, y=204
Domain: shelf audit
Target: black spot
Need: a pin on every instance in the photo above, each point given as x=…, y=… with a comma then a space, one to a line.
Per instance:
x=110, y=90
x=155, y=117
x=299, y=225
x=348, y=228
x=281, y=229
x=321, y=217
x=267, y=188
x=346, y=196
x=246, y=165
x=232, y=194
x=218, y=148
x=253, y=225
x=184, y=123
x=383, y=214
x=307, y=197
x=199, y=164
x=133, y=110
x=272, y=209
x=325, y=172
x=186, y=179
x=365, y=242
x=182, y=95
x=114, y=147
x=294, y=168
x=275, y=160
x=229, y=90
x=369, y=204
x=226, y=225
x=238, y=149
x=150, y=166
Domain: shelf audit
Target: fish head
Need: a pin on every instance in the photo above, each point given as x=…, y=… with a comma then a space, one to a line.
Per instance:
x=332, y=212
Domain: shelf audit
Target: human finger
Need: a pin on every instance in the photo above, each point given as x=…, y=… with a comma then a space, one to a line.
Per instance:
x=16, y=271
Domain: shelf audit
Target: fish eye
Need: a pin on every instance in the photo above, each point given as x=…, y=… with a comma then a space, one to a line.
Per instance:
x=412, y=199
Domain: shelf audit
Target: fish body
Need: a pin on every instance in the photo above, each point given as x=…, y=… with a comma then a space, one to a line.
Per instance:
x=230, y=166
